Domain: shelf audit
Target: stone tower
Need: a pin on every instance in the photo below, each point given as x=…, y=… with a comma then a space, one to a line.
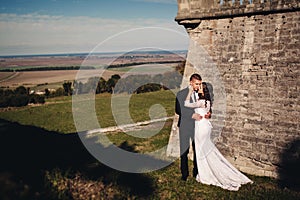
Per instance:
x=254, y=48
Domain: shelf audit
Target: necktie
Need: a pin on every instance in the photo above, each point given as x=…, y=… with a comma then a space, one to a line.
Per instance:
x=195, y=98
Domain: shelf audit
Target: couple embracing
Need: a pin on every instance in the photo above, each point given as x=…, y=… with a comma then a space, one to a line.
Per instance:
x=193, y=105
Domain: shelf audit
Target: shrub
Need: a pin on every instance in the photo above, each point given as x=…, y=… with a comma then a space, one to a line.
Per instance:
x=19, y=100
x=35, y=98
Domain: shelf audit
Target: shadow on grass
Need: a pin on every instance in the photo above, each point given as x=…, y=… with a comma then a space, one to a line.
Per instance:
x=27, y=152
x=289, y=173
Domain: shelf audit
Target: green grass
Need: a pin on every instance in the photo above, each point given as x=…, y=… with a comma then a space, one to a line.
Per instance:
x=170, y=187
x=145, y=67
x=164, y=183
x=56, y=114
x=52, y=117
x=88, y=178
x=120, y=69
x=143, y=145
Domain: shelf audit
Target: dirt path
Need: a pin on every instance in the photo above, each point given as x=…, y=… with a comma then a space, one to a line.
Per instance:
x=10, y=75
x=129, y=127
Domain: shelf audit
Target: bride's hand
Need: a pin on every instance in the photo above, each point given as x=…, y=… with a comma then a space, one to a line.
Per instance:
x=197, y=117
x=191, y=89
x=208, y=115
x=190, y=93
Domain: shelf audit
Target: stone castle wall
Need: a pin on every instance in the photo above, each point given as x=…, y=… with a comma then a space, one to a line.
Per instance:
x=255, y=47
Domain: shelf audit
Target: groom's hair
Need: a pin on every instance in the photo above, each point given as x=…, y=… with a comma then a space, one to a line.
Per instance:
x=196, y=76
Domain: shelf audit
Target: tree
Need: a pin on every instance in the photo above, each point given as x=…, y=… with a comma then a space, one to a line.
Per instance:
x=111, y=83
x=21, y=90
x=35, y=98
x=4, y=101
x=101, y=87
x=59, y=92
x=47, y=92
x=91, y=85
x=116, y=76
x=67, y=88
x=180, y=67
x=19, y=100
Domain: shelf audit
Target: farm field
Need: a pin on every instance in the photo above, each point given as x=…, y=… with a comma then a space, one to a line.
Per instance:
x=53, y=78
x=33, y=78
x=7, y=75
x=17, y=62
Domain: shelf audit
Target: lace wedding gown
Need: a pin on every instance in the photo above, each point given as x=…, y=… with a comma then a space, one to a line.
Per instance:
x=213, y=168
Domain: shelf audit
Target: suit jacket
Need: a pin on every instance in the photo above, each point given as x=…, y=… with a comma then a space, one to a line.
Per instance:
x=185, y=121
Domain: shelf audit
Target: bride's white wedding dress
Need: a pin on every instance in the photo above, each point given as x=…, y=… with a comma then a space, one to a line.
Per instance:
x=213, y=168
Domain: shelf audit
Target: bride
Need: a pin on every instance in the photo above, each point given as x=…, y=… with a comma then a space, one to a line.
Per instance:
x=213, y=168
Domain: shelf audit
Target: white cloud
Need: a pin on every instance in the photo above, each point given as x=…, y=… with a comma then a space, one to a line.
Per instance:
x=33, y=33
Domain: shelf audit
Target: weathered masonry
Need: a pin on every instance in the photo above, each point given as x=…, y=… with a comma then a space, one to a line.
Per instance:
x=255, y=47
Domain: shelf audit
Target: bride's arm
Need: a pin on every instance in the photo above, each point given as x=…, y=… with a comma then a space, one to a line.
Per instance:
x=187, y=102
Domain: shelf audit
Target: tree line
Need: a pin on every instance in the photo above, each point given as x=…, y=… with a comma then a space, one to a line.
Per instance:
x=19, y=97
x=50, y=68
x=131, y=84
x=22, y=96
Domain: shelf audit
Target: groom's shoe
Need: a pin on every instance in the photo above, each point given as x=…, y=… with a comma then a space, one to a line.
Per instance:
x=184, y=178
x=195, y=173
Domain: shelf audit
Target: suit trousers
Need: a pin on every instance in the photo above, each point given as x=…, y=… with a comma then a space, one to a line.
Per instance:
x=185, y=138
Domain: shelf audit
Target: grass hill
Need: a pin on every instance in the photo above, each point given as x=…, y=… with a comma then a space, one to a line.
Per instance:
x=42, y=157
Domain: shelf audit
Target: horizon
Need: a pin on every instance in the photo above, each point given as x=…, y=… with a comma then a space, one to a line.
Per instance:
x=88, y=53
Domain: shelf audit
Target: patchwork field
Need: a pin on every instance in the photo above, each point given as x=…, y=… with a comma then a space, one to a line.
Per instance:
x=53, y=78
x=33, y=78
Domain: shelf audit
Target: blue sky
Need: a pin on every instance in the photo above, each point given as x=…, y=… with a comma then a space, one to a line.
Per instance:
x=72, y=26
x=116, y=9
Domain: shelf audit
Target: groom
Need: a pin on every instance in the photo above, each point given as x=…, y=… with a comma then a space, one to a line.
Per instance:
x=186, y=124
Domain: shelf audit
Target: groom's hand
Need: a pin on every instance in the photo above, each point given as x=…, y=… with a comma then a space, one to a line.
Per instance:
x=196, y=116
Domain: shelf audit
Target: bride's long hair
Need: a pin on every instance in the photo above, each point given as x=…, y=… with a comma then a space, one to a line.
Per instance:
x=205, y=95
